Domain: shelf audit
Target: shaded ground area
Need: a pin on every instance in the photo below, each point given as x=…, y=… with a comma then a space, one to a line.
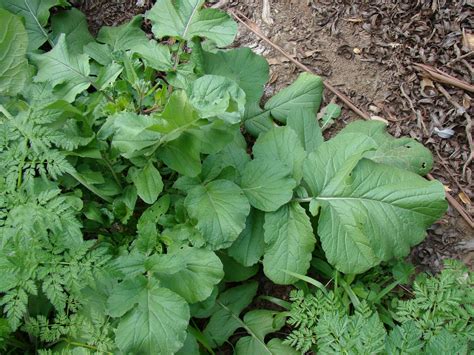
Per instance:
x=367, y=50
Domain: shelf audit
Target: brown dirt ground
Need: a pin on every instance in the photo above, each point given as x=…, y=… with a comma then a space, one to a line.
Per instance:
x=367, y=54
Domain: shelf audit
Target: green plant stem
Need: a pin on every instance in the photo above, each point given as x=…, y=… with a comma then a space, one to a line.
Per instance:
x=200, y=338
x=243, y=325
x=385, y=291
x=109, y=165
x=277, y=301
x=91, y=188
x=86, y=346
x=303, y=200
x=16, y=343
x=178, y=54
x=354, y=299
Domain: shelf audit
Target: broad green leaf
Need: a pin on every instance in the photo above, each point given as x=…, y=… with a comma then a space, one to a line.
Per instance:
x=155, y=55
x=205, y=308
x=242, y=65
x=234, y=271
x=375, y=213
x=235, y=153
x=185, y=19
x=405, y=153
x=190, y=347
x=124, y=205
x=58, y=66
x=220, y=209
x=132, y=134
x=178, y=116
x=101, y=53
x=340, y=153
x=290, y=242
x=73, y=24
x=183, y=76
x=267, y=184
x=107, y=75
x=249, y=246
x=130, y=265
x=214, y=136
x=257, y=121
x=153, y=213
x=307, y=128
x=329, y=114
x=183, y=234
x=125, y=295
x=212, y=167
x=165, y=264
x=217, y=96
x=155, y=320
x=277, y=347
x=182, y=155
x=230, y=304
x=201, y=270
x=259, y=323
x=124, y=37
x=13, y=62
x=148, y=183
x=281, y=144
x=147, y=232
x=36, y=14
x=305, y=93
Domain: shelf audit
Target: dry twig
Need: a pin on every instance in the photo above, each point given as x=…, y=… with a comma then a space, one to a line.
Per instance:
x=419, y=118
x=442, y=77
x=254, y=28
x=468, y=128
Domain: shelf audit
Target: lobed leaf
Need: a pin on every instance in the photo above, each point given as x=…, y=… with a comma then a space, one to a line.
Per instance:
x=289, y=243
x=283, y=145
x=36, y=14
x=217, y=96
x=405, y=153
x=374, y=213
x=249, y=246
x=225, y=319
x=220, y=209
x=73, y=24
x=148, y=183
x=267, y=184
x=185, y=19
x=58, y=66
x=199, y=271
x=156, y=322
x=241, y=65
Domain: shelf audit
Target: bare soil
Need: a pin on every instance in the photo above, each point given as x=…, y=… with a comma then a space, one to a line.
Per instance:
x=367, y=49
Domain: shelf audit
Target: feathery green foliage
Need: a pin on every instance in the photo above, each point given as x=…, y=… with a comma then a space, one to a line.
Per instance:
x=436, y=318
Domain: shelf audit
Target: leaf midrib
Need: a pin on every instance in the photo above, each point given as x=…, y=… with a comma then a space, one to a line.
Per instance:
x=326, y=198
x=244, y=325
x=188, y=24
x=34, y=17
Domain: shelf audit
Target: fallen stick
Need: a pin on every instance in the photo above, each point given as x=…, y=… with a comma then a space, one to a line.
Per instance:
x=254, y=28
x=468, y=128
x=438, y=75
